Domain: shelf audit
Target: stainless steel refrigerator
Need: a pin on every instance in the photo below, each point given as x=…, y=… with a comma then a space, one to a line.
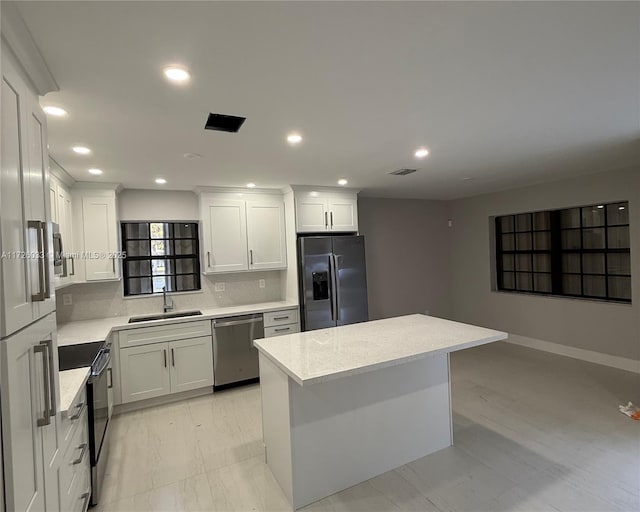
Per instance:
x=333, y=281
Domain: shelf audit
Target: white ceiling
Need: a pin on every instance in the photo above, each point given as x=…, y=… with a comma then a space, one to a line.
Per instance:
x=503, y=93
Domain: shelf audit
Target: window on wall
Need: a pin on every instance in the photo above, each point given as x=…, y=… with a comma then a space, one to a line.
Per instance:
x=160, y=255
x=576, y=252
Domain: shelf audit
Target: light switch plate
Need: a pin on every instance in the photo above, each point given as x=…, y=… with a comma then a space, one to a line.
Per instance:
x=262, y=283
x=219, y=287
x=67, y=299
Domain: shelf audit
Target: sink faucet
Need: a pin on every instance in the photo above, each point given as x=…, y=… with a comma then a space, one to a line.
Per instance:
x=166, y=306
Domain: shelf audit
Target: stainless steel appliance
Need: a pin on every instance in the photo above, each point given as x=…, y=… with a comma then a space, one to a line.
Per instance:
x=333, y=281
x=59, y=262
x=99, y=402
x=235, y=359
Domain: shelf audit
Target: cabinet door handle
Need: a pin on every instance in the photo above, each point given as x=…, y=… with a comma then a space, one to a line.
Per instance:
x=173, y=358
x=208, y=259
x=46, y=419
x=281, y=317
x=113, y=265
x=251, y=256
x=83, y=447
x=165, y=357
x=110, y=374
x=283, y=329
x=52, y=377
x=45, y=260
x=331, y=216
x=73, y=266
x=326, y=220
x=40, y=296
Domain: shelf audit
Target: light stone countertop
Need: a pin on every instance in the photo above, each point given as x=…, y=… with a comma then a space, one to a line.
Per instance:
x=71, y=383
x=86, y=331
x=326, y=354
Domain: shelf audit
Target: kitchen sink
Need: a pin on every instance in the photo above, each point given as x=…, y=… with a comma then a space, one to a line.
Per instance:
x=163, y=316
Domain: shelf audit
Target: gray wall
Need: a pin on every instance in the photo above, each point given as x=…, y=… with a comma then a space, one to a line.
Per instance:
x=407, y=244
x=602, y=327
x=134, y=204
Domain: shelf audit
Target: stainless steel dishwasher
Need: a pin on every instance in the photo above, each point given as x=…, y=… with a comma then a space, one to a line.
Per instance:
x=235, y=359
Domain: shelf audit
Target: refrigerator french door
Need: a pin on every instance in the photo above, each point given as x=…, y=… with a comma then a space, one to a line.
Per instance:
x=333, y=281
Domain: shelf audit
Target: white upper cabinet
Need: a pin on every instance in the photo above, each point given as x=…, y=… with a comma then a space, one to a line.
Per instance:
x=343, y=212
x=96, y=239
x=224, y=226
x=311, y=214
x=26, y=287
x=242, y=234
x=266, y=233
x=321, y=211
x=62, y=215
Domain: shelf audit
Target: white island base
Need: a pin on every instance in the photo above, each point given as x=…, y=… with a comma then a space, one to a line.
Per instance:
x=323, y=438
x=345, y=404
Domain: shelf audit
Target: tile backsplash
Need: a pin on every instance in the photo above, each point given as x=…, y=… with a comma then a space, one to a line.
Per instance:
x=105, y=299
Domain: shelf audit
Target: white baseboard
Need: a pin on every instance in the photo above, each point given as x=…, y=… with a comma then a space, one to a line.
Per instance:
x=622, y=363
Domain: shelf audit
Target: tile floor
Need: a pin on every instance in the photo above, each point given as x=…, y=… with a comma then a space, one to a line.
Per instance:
x=533, y=432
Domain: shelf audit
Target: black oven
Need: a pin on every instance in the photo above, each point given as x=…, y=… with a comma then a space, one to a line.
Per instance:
x=99, y=400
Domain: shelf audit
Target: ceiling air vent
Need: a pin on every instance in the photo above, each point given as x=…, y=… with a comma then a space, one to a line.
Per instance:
x=403, y=172
x=224, y=123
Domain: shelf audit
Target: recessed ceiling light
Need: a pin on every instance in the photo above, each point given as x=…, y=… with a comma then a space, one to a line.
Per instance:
x=620, y=207
x=600, y=206
x=294, y=138
x=421, y=152
x=160, y=181
x=55, y=111
x=95, y=172
x=177, y=74
x=81, y=150
x=314, y=194
x=251, y=185
x=342, y=182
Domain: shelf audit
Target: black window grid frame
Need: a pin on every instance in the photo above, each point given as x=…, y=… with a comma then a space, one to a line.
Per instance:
x=556, y=253
x=173, y=257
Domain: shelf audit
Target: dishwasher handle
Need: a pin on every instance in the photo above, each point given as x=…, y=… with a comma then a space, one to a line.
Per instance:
x=230, y=323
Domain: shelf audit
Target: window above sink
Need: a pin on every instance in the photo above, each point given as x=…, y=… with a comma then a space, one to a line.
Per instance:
x=160, y=255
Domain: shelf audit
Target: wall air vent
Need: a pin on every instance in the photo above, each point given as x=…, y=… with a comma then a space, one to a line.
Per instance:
x=403, y=172
x=224, y=123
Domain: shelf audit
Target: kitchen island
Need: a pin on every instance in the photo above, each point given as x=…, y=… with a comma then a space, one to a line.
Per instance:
x=344, y=404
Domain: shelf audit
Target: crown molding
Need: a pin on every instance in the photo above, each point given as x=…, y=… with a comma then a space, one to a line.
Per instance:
x=16, y=35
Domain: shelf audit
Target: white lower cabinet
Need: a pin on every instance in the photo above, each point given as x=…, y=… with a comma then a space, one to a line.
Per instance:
x=159, y=369
x=191, y=364
x=144, y=372
x=30, y=418
x=75, y=469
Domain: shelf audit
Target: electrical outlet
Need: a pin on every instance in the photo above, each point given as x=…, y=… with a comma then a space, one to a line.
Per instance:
x=262, y=283
x=219, y=287
x=67, y=299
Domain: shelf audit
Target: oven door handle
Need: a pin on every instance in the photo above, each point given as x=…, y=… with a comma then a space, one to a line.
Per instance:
x=107, y=360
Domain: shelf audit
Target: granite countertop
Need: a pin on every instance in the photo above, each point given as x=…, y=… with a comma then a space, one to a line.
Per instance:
x=326, y=354
x=71, y=383
x=85, y=331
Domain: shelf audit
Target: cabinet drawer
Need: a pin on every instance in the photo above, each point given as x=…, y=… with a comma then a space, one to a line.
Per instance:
x=280, y=330
x=168, y=332
x=287, y=316
x=76, y=415
x=75, y=465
